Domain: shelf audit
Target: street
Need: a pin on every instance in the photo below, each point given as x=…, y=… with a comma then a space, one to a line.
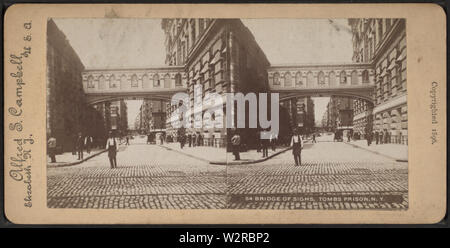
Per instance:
x=334, y=175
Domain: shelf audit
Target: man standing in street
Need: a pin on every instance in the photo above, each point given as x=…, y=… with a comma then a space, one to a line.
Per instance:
x=236, y=142
x=181, y=133
x=88, y=143
x=52, y=149
x=265, y=147
x=80, y=146
x=369, y=138
x=111, y=146
x=297, y=146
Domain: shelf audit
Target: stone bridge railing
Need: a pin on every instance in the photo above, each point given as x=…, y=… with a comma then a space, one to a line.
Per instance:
x=319, y=76
x=145, y=80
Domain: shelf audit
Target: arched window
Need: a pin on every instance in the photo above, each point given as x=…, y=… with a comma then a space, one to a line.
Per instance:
x=287, y=79
x=101, y=82
x=298, y=79
x=354, y=78
x=321, y=78
x=276, y=78
x=134, y=81
x=343, y=77
x=365, y=77
x=90, y=82
x=167, y=81
x=332, y=78
x=145, y=82
x=309, y=79
x=112, y=82
x=178, y=79
x=156, y=82
x=123, y=82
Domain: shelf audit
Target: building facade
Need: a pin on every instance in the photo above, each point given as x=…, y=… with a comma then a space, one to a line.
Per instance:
x=300, y=115
x=339, y=113
x=67, y=111
x=152, y=116
x=221, y=56
x=382, y=42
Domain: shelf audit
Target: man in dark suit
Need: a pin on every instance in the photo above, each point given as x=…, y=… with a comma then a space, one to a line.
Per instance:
x=80, y=146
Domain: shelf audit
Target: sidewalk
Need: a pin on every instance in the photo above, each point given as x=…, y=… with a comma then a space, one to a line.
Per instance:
x=67, y=158
x=393, y=151
x=219, y=156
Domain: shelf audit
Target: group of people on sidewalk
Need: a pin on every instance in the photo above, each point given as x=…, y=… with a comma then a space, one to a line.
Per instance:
x=82, y=143
x=296, y=144
x=192, y=139
x=380, y=137
x=264, y=144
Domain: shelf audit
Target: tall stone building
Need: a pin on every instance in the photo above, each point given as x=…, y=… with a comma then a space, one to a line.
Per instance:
x=67, y=111
x=300, y=115
x=339, y=113
x=222, y=56
x=152, y=115
x=382, y=42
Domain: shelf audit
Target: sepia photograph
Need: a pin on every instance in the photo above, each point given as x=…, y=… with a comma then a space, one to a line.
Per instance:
x=227, y=113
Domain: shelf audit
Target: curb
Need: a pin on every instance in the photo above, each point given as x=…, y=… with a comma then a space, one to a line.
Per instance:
x=76, y=162
x=228, y=163
x=378, y=153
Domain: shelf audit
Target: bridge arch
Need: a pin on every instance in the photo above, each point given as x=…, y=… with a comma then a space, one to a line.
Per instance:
x=355, y=95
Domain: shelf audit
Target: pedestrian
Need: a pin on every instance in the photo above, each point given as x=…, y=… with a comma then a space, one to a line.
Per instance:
x=127, y=139
x=111, y=146
x=194, y=139
x=161, y=137
x=369, y=138
x=235, y=143
x=314, y=138
x=88, y=143
x=181, y=133
x=377, y=137
x=297, y=146
x=189, y=139
x=265, y=147
x=52, y=148
x=258, y=141
x=80, y=146
x=381, y=137
x=199, y=139
x=272, y=141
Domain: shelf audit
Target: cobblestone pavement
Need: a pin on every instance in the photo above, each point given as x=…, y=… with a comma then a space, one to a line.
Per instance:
x=147, y=176
x=333, y=176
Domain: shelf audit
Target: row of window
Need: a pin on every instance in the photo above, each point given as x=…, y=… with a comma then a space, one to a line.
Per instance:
x=320, y=78
x=387, y=85
x=113, y=83
x=185, y=41
x=367, y=51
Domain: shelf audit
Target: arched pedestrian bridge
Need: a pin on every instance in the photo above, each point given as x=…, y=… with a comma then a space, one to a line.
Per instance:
x=355, y=80
x=101, y=85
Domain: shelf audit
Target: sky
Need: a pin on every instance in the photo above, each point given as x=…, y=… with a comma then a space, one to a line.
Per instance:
x=112, y=43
